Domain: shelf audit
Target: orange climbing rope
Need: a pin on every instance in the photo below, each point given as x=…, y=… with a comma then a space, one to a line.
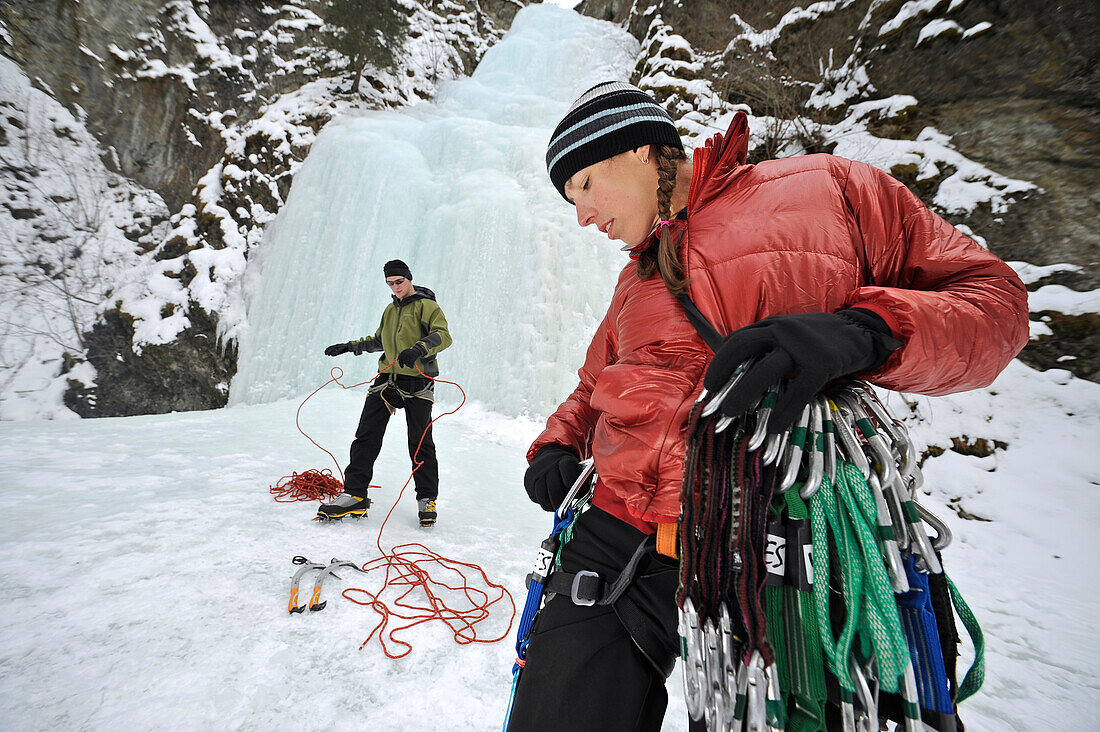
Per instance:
x=430, y=585
x=312, y=485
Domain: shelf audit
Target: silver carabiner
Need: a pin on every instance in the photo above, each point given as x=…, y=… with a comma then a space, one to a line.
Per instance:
x=715, y=708
x=792, y=459
x=912, y=699
x=774, y=445
x=588, y=469
x=884, y=458
x=943, y=534
x=886, y=422
x=815, y=441
x=756, y=712
x=729, y=664
x=917, y=534
x=868, y=720
x=774, y=699
x=694, y=674
x=829, y=429
x=763, y=412
x=849, y=443
x=713, y=404
x=886, y=530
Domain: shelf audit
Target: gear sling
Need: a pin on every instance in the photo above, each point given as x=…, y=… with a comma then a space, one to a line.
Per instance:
x=807, y=575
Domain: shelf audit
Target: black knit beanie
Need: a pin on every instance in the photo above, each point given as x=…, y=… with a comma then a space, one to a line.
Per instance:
x=608, y=119
x=397, y=268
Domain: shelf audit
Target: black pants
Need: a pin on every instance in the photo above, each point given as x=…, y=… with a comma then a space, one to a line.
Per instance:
x=371, y=430
x=584, y=671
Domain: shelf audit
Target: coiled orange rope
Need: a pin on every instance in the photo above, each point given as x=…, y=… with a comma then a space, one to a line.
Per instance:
x=312, y=485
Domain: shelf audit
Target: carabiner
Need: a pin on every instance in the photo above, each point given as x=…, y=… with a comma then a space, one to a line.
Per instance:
x=729, y=663
x=763, y=412
x=912, y=700
x=943, y=534
x=756, y=713
x=715, y=707
x=774, y=445
x=588, y=468
x=886, y=531
x=849, y=443
x=918, y=536
x=694, y=673
x=829, y=430
x=815, y=442
x=868, y=720
x=792, y=459
x=884, y=458
x=713, y=405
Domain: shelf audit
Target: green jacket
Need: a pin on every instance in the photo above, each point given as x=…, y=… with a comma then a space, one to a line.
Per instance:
x=415, y=319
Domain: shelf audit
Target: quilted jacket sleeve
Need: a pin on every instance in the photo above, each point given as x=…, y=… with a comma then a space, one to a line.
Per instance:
x=960, y=311
x=574, y=421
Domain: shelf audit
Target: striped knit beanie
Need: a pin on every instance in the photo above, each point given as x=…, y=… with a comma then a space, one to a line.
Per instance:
x=608, y=119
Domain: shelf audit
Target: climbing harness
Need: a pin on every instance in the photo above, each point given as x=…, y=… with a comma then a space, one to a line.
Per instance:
x=807, y=572
x=315, y=603
x=583, y=587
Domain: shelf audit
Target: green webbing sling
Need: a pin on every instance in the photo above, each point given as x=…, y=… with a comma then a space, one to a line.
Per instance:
x=976, y=673
x=847, y=508
x=793, y=633
x=567, y=532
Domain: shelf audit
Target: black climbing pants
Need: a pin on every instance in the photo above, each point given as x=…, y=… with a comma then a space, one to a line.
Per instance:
x=372, y=428
x=584, y=669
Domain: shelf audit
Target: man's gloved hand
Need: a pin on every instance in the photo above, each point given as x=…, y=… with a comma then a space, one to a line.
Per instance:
x=801, y=353
x=337, y=348
x=552, y=472
x=408, y=357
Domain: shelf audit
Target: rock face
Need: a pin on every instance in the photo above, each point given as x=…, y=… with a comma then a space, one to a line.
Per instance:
x=1015, y=86
x=212, y=104
x=189, y=373
x=137, y=70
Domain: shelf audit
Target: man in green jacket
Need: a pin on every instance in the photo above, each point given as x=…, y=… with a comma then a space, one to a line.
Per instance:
x=412, y=332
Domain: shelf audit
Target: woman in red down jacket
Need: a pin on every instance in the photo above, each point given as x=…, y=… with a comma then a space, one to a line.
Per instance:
x=818, y=266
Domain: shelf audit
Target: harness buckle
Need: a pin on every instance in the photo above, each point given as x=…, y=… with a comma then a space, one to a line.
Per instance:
x=593, y=585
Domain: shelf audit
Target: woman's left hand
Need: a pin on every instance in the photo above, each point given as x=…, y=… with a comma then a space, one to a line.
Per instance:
x=799, y=353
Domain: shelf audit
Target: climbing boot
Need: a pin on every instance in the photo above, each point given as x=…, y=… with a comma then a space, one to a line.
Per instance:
x=344, y=505
x=426, y=512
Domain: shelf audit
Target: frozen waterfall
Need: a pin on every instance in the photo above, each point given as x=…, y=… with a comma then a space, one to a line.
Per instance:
x=458, y=189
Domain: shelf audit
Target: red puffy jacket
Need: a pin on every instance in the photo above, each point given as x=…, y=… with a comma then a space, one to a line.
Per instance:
x=815, y=233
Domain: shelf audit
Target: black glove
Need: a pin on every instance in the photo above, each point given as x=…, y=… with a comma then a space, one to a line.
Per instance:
x=337, y=348
x=553, y=471
x=801, y=353
x=408, y=357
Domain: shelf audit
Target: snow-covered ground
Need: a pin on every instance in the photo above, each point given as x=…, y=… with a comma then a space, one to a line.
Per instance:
x=148, y=568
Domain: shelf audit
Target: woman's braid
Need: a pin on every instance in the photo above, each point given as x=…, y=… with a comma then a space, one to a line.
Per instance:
x=665, y=259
